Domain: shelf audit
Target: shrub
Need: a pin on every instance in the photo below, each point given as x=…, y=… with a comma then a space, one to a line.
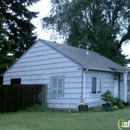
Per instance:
x=117, y=102
x=37, y=107
x=107, y=96
x=126, y=104
x=97, y=109
x=114, y=108
x=72, y=110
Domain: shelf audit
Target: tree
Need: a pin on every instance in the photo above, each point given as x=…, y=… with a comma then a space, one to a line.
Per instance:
x=105, y=24
x=16, y=34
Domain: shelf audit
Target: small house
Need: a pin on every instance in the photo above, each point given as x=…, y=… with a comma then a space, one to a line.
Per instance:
x=73, y=75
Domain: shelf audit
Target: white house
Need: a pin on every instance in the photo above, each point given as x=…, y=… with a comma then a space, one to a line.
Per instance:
x=71, y=74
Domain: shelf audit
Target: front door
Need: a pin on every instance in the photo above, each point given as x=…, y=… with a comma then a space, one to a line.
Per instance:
x=116, y=86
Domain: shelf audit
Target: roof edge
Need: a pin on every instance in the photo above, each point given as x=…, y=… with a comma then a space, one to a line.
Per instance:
x=62, y=53
x=119, y=70
x=21, y=57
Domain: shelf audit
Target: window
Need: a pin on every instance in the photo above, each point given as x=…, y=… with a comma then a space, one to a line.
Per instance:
x=128, y=85
x=16, y=81
x=57, y=86
x=96, y=85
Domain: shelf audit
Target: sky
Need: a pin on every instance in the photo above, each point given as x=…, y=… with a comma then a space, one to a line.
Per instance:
x=44, y=7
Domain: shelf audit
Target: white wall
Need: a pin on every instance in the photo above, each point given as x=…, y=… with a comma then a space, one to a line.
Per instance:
x=39, y=64
x=107, y=79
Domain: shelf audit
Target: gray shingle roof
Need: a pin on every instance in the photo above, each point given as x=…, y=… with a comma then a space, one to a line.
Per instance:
x=93, y=60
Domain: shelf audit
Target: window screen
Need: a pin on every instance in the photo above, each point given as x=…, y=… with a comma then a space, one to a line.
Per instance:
x=96, y=85
x=57, y=86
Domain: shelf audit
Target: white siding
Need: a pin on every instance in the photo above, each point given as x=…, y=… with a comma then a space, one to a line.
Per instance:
x=40, y=63
x=107, y=80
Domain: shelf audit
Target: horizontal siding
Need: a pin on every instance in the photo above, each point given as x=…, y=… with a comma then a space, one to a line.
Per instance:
x=39, y=64
x=107, y=84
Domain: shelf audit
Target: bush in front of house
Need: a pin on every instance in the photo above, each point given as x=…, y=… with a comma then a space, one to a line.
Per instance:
x=37, y=107
x=117, y=102
x=96, y=109
x=112, y=102
x=72, y=110
x=107, y=96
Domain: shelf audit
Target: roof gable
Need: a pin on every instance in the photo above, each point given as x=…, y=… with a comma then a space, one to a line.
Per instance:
x=93, y=60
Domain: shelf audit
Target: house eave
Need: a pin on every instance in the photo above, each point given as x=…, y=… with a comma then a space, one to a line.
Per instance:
x=119, y=70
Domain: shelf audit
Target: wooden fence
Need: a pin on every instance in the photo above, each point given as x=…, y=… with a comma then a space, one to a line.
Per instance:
x=1, y=80
x=18, y=97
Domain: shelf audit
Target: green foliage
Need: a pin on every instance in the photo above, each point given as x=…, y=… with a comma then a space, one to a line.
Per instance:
x=38, y=108
x=114, y=108
x=16, y=30
x=117, y=102
x=98, y=22
x=72, y=110
x=107, y=96
x=97, y=109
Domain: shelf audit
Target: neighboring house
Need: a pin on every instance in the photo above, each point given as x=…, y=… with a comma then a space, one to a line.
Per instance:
x=71, y=74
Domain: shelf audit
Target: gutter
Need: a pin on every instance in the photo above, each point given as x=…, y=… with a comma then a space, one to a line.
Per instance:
x=125, y=86
x=84, y=83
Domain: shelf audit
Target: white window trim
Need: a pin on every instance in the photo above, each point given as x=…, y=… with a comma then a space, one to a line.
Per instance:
x=51, y=85
x=96, y=94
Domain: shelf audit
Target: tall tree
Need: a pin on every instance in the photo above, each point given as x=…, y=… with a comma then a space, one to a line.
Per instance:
x=16, y=34
x=105, y=24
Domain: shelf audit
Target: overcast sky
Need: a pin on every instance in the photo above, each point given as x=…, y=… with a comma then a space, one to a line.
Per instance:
x=43, y=7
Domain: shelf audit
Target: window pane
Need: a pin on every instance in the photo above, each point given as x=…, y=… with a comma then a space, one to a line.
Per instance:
x=54, y=83
x=60, y=83
x=16, y=81
x=60, y=86
x=54, y=92
x=128, y=85
x=60, y=91
x=98, y=85
x=93, y=85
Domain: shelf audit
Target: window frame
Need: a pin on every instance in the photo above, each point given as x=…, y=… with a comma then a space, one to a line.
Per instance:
x=97, y=79
x=57, y=87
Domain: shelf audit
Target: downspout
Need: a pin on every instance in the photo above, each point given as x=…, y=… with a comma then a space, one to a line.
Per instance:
x=125, y=86
x=84, y=84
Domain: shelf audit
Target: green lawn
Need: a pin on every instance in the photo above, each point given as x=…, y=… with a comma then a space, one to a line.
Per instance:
x=63, y=121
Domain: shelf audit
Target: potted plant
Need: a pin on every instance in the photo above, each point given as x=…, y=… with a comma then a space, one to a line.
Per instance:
x=107, y=97
x=83, y=107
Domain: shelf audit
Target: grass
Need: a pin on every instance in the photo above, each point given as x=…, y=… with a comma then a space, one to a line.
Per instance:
x=62, y=120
